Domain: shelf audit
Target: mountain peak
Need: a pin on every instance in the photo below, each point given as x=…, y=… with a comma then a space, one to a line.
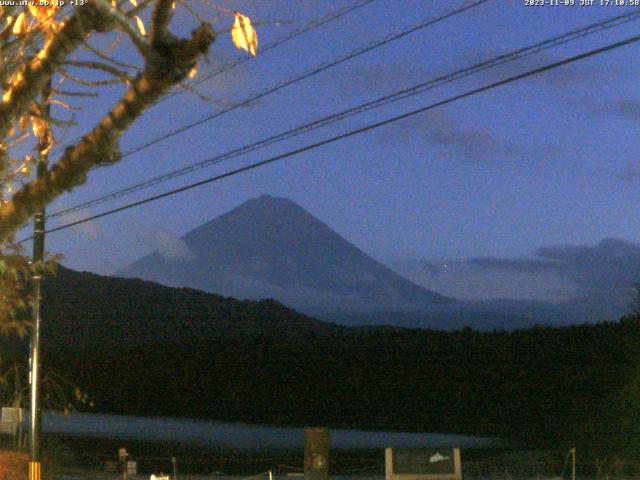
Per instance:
x=271, y=247
x=266, y=199
x=269, y=205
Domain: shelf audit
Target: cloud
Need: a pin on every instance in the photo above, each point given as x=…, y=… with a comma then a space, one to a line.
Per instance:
x=629, y=109
x=441, y=130
x=399, y=73
x=382, y=76
x=626, y=110
x=146, y=239
x=598, y=280
x=166, y=243
x=171, y=246
x=489, y=278
x=91, y=229
x=521, y=265
x=631, y=174
x=612, y=263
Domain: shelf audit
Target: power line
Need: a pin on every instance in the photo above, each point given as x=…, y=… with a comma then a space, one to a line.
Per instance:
x=327, y=18
x=314, y=71
x=381, y=101
x=354, y=132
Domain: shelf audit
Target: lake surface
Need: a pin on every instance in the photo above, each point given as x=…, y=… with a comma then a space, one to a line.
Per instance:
x=237, y=435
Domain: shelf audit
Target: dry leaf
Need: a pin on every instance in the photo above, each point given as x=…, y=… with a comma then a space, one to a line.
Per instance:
x=24, y=123
x=21, y=26
x=42, y=130
x=141, y=28
x=44, y=14
x=39, y=126
x=243, y=34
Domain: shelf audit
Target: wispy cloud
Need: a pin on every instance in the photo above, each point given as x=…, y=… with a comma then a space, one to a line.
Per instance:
x=441, y=130
x=629, y=109
x=91, y=229
x=383, y=76
x=631, y=174
x=487, y=278
x=520, y=265
x=612, y=263
x=171, y=246
x=606, y=272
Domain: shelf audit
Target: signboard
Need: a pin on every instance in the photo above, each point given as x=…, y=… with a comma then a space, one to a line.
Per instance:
x=122, y=455
x=12, y=414
x=316, y=454
x=423, y=464
x=11, y=419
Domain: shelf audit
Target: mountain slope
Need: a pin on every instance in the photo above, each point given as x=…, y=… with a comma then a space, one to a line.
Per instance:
x=90, y=310
x=272, y=248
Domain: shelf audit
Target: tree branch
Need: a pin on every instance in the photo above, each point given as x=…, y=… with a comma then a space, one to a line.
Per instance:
x=106, y=57
x=168, y=65
x=122, y=75
x=160, y=19
x=35, y=74
x=87, y=83
x=116, y=16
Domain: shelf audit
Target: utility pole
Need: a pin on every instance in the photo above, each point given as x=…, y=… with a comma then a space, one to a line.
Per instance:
x=573, y=464
x=38, y=259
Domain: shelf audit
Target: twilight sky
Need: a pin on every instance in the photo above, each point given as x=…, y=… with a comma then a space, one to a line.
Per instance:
x=547, y=161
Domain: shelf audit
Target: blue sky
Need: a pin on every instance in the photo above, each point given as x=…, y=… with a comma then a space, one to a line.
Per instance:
x=550, y=160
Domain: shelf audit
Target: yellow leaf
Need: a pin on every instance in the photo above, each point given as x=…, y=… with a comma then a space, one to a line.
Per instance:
x=243, y=34
x=141, y=28
x=42, y=130
x=193, y=72
x=44, y=13
x=40, y=127
x=21, y=26
x=24, y=123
